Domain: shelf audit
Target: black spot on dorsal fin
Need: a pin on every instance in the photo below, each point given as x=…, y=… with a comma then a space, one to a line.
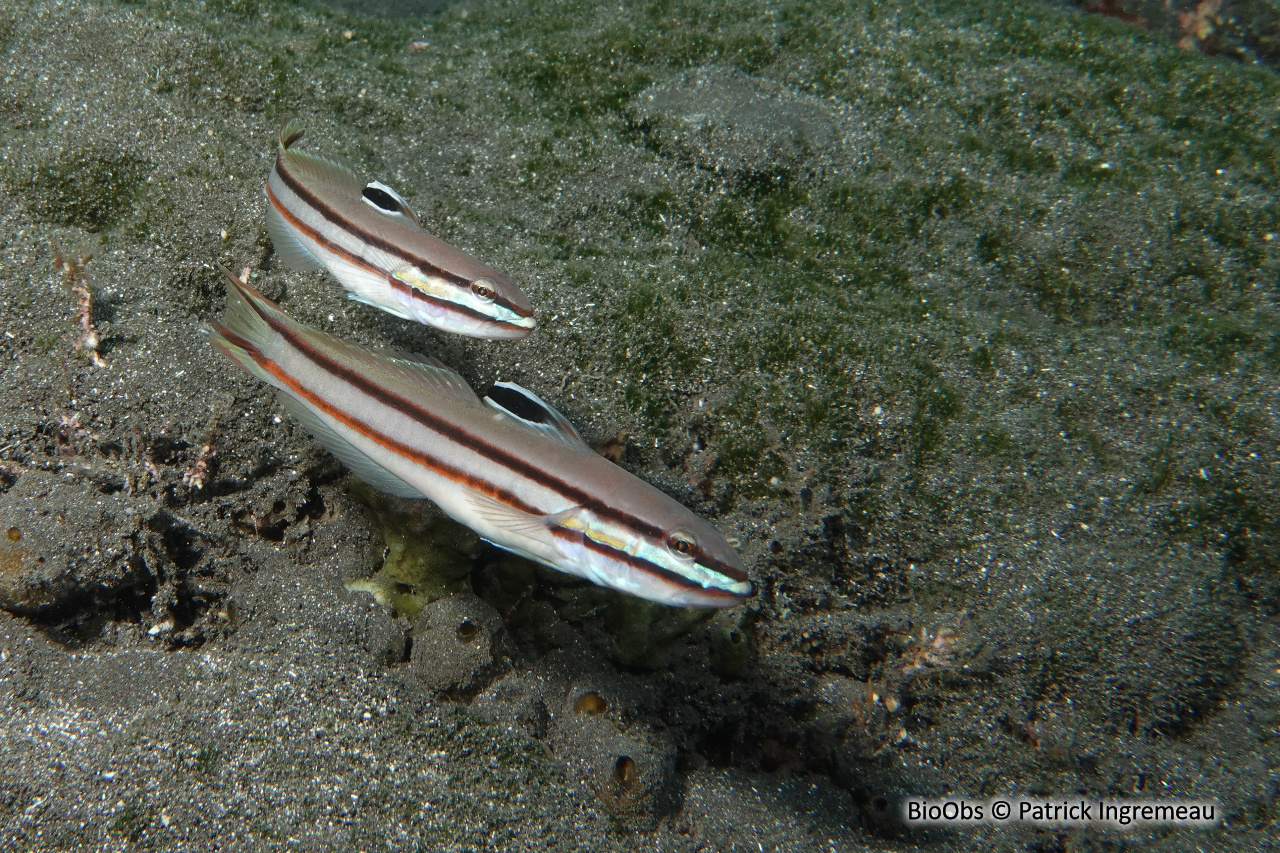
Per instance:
x=520, y=405
x=382, y=199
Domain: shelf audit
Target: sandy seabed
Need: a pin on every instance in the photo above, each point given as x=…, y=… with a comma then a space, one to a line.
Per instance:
x=981, y=376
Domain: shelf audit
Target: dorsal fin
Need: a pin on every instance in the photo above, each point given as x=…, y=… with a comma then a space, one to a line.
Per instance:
x=430, y=361
x=531, y=412
x=324, y=170
x=343, y=179
x=290, y=132
x=430, y=373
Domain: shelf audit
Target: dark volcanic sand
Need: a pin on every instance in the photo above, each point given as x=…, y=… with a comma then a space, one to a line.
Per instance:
x=959, y=318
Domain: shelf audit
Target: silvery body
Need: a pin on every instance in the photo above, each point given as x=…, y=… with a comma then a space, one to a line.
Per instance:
x=322, y=216
x=509, y=467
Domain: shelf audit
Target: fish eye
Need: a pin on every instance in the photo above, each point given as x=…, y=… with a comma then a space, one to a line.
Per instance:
x=682, y=544
x=484, y=289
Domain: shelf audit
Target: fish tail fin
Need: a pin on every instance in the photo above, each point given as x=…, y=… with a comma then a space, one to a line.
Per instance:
x=244, y=334
x=248, y=333
x=290, y=132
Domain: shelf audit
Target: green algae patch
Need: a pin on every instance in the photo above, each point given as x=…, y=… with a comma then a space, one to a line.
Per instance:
x=733, y=642
x=92, y=187
x=647, y=630
x=827, y=235
x=424, y=554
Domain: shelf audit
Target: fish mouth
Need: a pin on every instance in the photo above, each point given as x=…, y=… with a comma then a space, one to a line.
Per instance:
x=728, y=595
x=717, y=597
x=510, y=330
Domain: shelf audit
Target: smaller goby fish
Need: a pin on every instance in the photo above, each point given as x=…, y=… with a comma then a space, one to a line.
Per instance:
x=510, y=467
x=321, y=216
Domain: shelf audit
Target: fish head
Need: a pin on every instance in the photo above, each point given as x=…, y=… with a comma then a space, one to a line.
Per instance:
x=480, y=303
x=367, y=236
x=681, y=561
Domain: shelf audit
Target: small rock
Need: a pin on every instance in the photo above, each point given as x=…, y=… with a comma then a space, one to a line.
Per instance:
x=33, y=577
x=633, y=773
x=46, y=523
x=453, y=644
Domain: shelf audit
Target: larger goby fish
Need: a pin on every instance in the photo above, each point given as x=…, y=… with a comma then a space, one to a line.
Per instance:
x=510, y=467
x=322, y=216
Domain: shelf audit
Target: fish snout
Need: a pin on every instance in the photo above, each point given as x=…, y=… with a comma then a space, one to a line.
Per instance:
x=509, y=330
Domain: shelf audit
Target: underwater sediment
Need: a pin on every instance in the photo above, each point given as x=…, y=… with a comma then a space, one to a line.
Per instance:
x=958, y=318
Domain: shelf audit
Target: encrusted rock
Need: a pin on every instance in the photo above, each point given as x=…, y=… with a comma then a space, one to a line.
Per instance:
x=733, y=643
x=33, y=572
x=454, y=643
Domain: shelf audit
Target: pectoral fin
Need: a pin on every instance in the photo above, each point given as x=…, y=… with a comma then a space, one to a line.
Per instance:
x=517, y=521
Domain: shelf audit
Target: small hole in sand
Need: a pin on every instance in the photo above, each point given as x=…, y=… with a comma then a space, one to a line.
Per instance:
x=624, y=771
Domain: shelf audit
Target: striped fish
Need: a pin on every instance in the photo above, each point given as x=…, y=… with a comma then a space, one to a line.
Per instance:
x=510, y=467
x=321, y=216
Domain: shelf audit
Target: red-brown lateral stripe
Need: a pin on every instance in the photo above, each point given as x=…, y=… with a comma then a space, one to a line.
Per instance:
x=457, y=434
x=413, y=292
x=235, y=339
x=725, y=569
x=283, y=210
x=429, y=462
x=334, y=218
